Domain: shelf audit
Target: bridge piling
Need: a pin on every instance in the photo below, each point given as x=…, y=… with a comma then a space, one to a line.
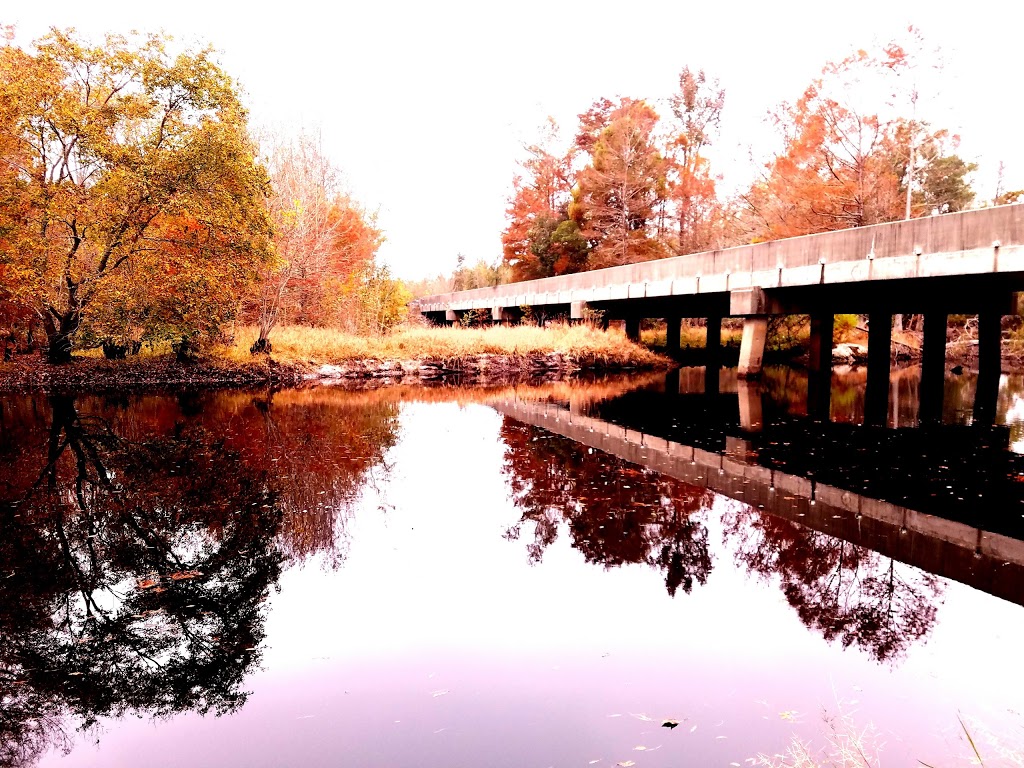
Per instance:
x=819, y=383
x=986, y=396
x=879, y=366
x=633, y=329
x=755, y=332
x=713, y=342
x=672, y=333
x=933, y=366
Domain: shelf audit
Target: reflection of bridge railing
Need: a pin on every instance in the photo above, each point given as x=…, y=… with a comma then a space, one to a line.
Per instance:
x=981, y=559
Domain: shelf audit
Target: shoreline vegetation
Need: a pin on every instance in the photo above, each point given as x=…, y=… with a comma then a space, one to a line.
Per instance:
x=421, y=355
x=306, y=355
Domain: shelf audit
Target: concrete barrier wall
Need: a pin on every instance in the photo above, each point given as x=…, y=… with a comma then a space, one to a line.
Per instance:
x=952, y=244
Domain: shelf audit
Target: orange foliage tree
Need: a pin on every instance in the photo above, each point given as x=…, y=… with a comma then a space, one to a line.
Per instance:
x=541, y=240
x=851, y=156
x=620, y=191
x=323, y=238
x=697, y=109
x=103, y=147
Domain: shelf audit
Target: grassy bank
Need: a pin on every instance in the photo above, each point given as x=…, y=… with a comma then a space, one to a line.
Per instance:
x=301, y=354
x=585, y=345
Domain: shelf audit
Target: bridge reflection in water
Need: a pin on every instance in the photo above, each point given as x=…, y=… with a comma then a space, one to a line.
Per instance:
x=947, y=498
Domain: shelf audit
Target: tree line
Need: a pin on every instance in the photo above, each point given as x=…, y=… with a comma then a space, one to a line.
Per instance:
x=634, y=185
x=136, y=205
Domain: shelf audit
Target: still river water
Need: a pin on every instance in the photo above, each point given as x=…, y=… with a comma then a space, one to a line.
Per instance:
x=515, y=576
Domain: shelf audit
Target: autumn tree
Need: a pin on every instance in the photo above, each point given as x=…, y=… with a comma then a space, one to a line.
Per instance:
x=323, y=237
x=540, y=239
x=619, y=192
x=115, y=155
x=697, y=111
x=855, y=153
x=832, y=172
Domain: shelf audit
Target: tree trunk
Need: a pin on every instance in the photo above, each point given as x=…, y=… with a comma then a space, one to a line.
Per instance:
x=60, y=328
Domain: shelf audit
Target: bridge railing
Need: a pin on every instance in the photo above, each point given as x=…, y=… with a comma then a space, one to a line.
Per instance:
x=746, y=265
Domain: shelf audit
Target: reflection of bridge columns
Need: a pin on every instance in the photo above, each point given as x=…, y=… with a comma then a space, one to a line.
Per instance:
x=879, y=362
x=819, y=380
x=672, y=382
x=990, y=336
x=933, y=366
x=751, y=413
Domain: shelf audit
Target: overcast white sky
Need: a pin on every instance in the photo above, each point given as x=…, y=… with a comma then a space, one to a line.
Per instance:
x=424, y=105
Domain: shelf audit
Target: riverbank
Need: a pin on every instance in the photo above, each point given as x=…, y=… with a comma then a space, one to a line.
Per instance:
x=304, y=355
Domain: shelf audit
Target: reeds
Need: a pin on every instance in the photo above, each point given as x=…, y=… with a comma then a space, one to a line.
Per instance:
x=582, y=343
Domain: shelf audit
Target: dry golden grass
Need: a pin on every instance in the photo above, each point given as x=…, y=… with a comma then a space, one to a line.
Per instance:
x=300, y=344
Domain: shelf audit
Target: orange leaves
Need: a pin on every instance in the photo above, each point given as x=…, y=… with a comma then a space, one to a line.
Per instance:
x=157, y=584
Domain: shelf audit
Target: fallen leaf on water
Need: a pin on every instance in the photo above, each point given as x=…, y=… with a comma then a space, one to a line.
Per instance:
x=640, y=748
x=179, y=575
x=626, y=763
x=693, y=729
x=642, y=716
x=439, y=693
x=147, y=583
x=670, y=724
x=614, y=715
x=789, y=714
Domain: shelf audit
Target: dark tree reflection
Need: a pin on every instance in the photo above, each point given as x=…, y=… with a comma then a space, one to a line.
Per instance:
x=141, y=535
x=616, y=512
x=847, y=593
x=131, y=573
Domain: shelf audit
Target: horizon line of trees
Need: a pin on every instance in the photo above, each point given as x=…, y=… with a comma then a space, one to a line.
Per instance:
x=137, y=206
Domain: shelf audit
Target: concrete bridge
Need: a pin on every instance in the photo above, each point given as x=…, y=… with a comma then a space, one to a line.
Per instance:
x=990, y=561
x=961, y=263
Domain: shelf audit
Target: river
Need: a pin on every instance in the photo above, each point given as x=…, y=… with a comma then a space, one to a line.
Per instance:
x=651, y=570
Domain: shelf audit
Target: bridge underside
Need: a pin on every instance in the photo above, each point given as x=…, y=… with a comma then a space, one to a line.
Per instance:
x=989, y=296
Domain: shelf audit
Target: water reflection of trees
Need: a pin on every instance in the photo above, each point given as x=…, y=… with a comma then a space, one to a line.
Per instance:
x=616, y=512
x=134, y=573
x=846, y=592
x=139, y=537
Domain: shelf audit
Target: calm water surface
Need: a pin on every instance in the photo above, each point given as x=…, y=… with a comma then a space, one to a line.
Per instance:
x=521, y=576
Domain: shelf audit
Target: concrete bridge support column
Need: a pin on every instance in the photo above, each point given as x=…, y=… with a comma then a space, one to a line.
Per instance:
x=451, y=317
x=713, y=342
x=879, y=363
x=501, y=315
x=578, y=311
x=749, y=303
x=713, y=355
x=755, y=332
x=933, y=367
x=672, y=333
x=990, y=338
x=633, y=329
x=819, y=382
